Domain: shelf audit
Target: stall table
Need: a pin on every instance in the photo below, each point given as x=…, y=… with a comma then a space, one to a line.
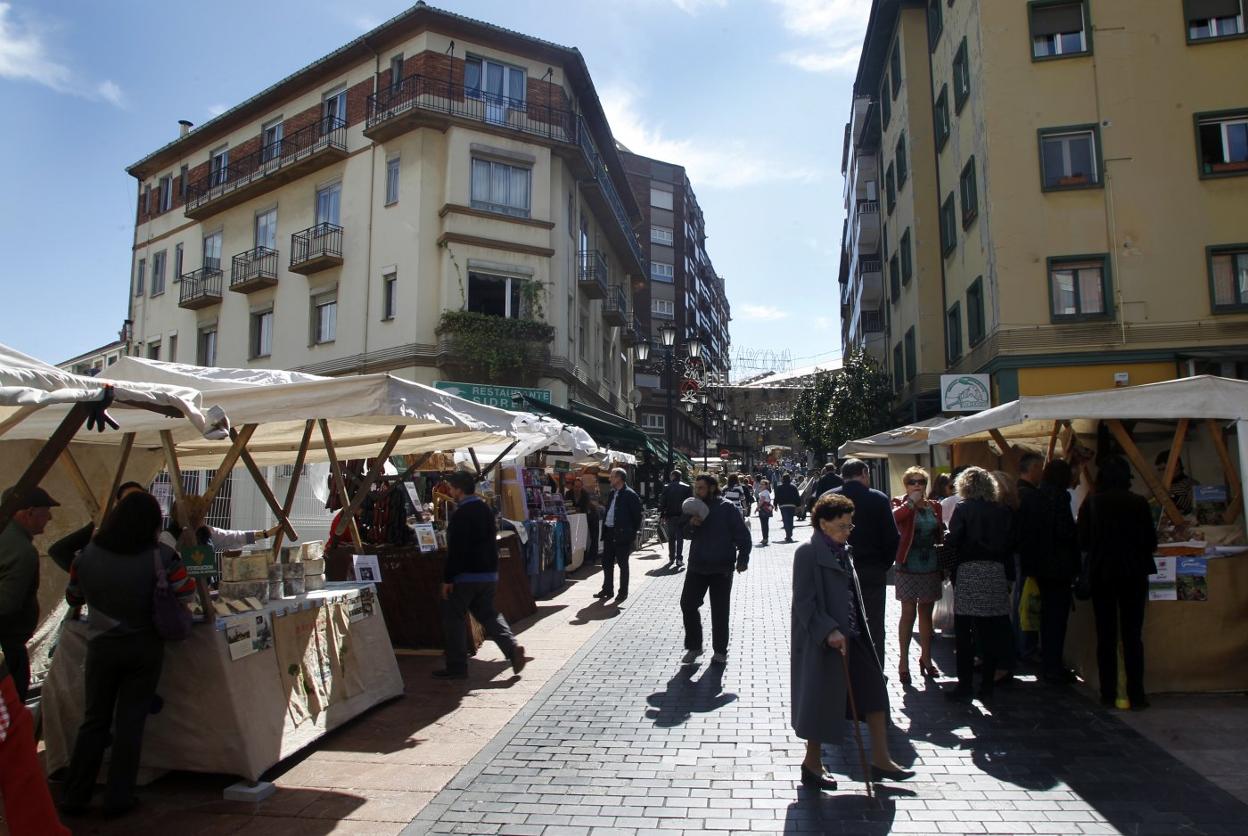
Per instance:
x=239, y=717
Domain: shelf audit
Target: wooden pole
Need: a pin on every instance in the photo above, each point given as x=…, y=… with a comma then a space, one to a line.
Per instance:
x=79, y=479
x=45, y=459
x=494, y=463
x=127, y=444
x=1127, y=443
x=373, y=472
x=171, y=464
x=294, y=484
x=1235, y=498
x=1176, y=449
x=335, y=468
x=1008, y=453
x=1057, y=428
x=231, y=459
x=472, y=453
x=262, y=484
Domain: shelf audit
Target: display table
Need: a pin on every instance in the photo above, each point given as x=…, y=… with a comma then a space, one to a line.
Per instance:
x=240, y=717
x=1189, y=646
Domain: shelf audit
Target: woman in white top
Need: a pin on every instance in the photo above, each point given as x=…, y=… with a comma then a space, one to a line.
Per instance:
x=764, y=508
x=199, y=533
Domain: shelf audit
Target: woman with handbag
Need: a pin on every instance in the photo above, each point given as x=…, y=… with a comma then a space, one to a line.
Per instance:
x=918, y=578
x=764, y=508
x=128, y=582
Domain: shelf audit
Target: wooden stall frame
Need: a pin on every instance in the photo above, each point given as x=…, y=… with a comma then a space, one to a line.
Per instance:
x=378, y=466
x=71, y=466
x=292, y=489
x=1129, y=447
x=340, y=486
x=45, y=458
x=1235, y=496
x=127, y=446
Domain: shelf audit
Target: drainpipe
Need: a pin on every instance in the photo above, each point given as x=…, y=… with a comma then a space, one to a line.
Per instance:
x=1111, y=221
x=372, y=179
x=944, y=291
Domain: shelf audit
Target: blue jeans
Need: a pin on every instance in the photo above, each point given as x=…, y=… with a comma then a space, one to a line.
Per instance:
x=786, y=514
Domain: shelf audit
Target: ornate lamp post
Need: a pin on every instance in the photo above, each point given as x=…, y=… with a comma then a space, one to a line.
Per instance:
x=672, y=363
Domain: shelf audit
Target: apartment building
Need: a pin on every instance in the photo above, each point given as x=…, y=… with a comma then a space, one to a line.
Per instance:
x=683, y=289
x=1063, y=188
x=340, y=220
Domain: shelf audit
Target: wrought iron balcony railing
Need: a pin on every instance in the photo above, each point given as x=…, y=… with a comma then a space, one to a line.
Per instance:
x=316, y=248
x=254, y=269
x=201, y=288
x=591, y=273
x=615, y=306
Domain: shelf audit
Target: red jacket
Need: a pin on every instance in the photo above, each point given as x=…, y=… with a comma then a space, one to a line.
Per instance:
x=903, y=515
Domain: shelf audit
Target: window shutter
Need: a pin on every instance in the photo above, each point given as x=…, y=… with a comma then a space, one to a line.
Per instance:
x=1205, y=9
x=1053, y=20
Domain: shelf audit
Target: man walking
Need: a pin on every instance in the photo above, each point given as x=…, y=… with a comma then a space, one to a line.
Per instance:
x=675, y=492
x=874, y=541
x=787, y=500
x=620, y=525
x=471, y=579
x=719, y=543
x=829, y=481
x=19, y=582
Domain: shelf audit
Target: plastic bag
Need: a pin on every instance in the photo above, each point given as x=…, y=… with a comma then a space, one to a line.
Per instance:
x=942, y=615
x=1029, y=607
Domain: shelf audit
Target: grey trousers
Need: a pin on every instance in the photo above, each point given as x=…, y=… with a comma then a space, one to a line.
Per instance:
x=476, y=598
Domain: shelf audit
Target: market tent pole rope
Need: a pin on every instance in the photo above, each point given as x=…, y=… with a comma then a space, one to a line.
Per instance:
x=294, y=484
x=378, y=467
x=46, y=457
x=1176, y=448
x=127, y=444
x=335, y=468
x=18, y=417
x=1228, y=469
x=262, y=484
x=231, y=459
x=79, y=479
x=1127, y=443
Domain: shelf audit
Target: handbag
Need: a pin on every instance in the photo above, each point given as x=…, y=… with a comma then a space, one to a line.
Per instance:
x=170, y=616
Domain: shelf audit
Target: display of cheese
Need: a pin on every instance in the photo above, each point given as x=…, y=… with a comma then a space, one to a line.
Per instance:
x=314, y=567
x=293, y=586
x=246, y=567
x=313, y=550
x=292, y=571
x=245, y=589
x=276, y=588
x=311, y=583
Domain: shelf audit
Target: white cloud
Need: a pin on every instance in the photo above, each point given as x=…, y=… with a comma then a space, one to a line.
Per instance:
x=692, y=7
x=24, y=57
x=217, y=109
x=713, y=163
x=832, y=32
x=767, y=313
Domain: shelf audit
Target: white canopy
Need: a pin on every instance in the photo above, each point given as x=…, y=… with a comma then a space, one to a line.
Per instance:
x=910, y=440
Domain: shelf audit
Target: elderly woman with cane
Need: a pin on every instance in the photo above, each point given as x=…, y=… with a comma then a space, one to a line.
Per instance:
x=835, y=672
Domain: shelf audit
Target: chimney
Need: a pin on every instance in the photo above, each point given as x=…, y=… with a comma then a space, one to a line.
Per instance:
x=184, y=127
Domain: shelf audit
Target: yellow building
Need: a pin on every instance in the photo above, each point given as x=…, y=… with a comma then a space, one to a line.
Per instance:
x=1075, y=190
x=435, y=164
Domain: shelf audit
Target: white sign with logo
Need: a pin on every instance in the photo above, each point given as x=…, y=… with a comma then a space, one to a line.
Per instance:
x=965, y=392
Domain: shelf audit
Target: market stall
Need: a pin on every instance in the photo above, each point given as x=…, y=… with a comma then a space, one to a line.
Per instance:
x=901, y=448
x=1193, y=633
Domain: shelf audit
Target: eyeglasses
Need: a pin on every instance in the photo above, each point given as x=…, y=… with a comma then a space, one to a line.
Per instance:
x=916, y=481
x=843, y=526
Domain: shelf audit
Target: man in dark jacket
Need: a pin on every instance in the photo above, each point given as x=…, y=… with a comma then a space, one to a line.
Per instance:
x=719, y=544
x=1034, y=524
x=471, y=579
x=829, y=481
x=787, y=500
x=874, y=541
x=620, y=524
x=19, y=581
x=675, y=492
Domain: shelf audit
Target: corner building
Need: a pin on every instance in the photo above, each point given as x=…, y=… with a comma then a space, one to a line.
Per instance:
x=1062, y=188
x=435, y=164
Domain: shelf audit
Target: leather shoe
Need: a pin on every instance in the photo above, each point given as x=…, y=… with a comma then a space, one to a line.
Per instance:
x=604, y=593
x=621, y=598
x=811, y=779
x=879, y=775
x=518, y=660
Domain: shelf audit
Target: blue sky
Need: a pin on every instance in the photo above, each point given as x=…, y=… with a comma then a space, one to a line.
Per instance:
x=750, y=95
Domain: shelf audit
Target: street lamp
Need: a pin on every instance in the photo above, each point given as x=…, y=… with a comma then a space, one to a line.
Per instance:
x=667, y=340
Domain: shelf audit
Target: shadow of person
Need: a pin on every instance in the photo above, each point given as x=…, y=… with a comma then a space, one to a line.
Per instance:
x=597, y=611
x=665, y=569
x=684, y=697
x=848, y=810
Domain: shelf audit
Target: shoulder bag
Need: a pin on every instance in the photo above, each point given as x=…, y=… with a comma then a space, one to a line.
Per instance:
x=170, y=616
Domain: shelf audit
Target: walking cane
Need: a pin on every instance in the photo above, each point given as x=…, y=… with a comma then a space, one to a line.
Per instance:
x=853, y=710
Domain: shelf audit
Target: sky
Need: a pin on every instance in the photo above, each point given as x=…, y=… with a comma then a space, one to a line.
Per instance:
x=751, y=96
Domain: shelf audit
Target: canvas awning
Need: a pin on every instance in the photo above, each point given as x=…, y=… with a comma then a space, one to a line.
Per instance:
x=910, y=440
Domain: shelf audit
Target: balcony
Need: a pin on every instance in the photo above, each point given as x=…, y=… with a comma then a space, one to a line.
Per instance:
x=201, y=288
x=632, y=333
x=316, y=248
x=615, y=307
x=871, y=279
x=253, y=270
x=591, y=273
x=873, y=322
x=320, y=144
x=867, y=225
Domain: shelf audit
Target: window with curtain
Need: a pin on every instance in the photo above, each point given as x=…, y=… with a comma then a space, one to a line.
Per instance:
x=324, y=318
x=494, y=295
x=1228, y=276
x=1077, y=288
x=392, y=181
x=499, y=187
x=262, y=333
x=158, y=273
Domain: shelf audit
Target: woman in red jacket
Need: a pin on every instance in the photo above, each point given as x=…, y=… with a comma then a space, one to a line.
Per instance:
x=918, y=574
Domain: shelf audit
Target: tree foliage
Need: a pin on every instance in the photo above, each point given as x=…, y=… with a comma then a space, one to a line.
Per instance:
x=841, y=406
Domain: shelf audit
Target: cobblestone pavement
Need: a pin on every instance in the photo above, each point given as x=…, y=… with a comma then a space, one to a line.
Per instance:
x=626, y=741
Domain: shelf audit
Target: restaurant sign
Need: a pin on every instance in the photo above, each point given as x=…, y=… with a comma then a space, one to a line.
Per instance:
x=500, y=396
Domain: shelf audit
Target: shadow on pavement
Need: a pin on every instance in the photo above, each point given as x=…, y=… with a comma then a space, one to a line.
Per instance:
x=846, y=811
x=684, y=697
x=597, y=611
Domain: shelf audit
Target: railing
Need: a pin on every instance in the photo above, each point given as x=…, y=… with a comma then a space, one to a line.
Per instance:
x=603, y=177
x=591, y=269
x=866, y=206
x=328, y=132
x=872, y=322
x=202, y=284
x=258, y=263
x=869, y=265
x=319, y=241
x=615, y=305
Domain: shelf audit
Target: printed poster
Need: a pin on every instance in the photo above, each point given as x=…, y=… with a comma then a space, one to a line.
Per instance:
x=1192, y=575
x=367, y=567
x=426, y=538
x=295, y=639
x=248, y=634
x=1161, y=586
x=360, y=604
x=414, y=496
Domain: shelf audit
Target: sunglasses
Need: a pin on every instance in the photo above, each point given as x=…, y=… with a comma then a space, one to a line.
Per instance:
x=916, y=481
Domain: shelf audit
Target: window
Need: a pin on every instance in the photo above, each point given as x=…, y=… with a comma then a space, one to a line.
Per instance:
x=494, y=295
x=894, y=278
x=158, y=273
x=328, y=204
x=501, y=88
x=184, y=175
x=1222, y=143
x=266, y=229
x=271, y=140
x=177, y=263
x=903, y=170
x=935, y=24
x=975, y=312
x=886, y=104
x=912, y=360
x=334, y=110
x=1059, y=29
x=173, y=348
x=392, y=181
x=661, y=198
x=212, y=251
x=661, y=235
x=953, y=333
x=1070, y=158
x=961, y=77
x=396, y=72
x=206, y=354
x=890, y=188
x=324, y=318
x=153, y=350
x=218, y=166
x=1079, y=287
x=140, y=277
x=166, y=193
x=969, y=192
x=1228, y=277
x=389, y=295
x=948, y=228
x=661, y=272
x=498, y=187
x=664, y=308
x=147, y=199
x=894, y=67
x=654, y=421
x=1209, y=19
x=262, y=333
x=907, y=263
x=899, y=369
x=942, y=117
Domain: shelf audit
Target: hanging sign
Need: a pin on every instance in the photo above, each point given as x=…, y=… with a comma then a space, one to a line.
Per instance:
x=500, y=396
x=965, y=392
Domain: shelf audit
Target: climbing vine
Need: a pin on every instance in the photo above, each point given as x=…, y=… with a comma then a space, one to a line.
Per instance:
x=497, y=349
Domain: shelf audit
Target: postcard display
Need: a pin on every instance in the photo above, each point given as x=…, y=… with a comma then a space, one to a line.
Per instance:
x=248, y=689
x=548, y=541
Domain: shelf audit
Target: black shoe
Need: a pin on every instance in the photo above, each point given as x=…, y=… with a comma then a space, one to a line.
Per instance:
x=1140, y=703
x=811, y=779
x=604, y=593
x=959, y=695
x=446, y=673
x=518, y=660
x=621, y=598
x=879, y=775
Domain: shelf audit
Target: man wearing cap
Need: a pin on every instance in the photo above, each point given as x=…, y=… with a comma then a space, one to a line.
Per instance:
x=19, y=581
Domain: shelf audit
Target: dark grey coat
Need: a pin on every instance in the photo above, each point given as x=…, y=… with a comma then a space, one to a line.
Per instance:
x=820, y=605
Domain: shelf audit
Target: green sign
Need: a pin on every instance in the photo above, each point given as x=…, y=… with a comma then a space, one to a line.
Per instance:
x=500, y=396
x=200, y=561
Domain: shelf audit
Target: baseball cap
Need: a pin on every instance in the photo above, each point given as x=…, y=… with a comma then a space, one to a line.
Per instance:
x=36, y=497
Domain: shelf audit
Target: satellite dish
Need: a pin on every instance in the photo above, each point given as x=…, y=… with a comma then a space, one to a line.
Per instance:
x=634, y=397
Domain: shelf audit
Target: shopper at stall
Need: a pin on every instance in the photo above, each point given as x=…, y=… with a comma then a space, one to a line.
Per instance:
x=766, y=505
x=788, y=500
x=918, y=578
x=981, y=541
x=874, y=540
x=471, y=580
x=1033, y=517
x=24, y=794
x=827, y=624
x=675, y=492
x=621, y=522
x=1056, y=570
x=1116, y=530
x=719, y=543
x=115, y=577
x=1023, y=643
x=187, y=527
x=19, y=581
x=64, y=550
